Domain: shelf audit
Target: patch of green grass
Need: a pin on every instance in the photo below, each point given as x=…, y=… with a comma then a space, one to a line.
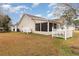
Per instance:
x=66, y=51
x=63, y=45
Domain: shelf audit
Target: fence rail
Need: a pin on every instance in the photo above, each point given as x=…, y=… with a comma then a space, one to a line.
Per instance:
x=63, y=33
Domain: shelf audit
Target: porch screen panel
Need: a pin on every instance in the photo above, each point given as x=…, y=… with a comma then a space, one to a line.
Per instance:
x=50, y=26
x=37, y=26
x=55, y=26
x=43, y=26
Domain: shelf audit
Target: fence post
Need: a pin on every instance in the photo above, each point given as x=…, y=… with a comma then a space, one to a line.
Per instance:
x=65, y=32
x=65, y=35
x=52, y=31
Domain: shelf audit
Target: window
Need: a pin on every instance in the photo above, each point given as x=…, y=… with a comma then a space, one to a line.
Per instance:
x=37, y=26
x=55, y=26
x=50, y=26
x=43, y=26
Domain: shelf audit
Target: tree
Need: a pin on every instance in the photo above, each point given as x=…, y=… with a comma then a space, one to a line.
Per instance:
x=67, y=11
x=5, y=22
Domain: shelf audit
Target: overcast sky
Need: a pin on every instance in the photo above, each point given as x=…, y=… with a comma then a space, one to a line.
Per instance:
x=16, y=10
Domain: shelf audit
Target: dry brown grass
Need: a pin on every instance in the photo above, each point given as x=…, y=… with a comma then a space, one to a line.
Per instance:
x=20, y=44
x=23, y=44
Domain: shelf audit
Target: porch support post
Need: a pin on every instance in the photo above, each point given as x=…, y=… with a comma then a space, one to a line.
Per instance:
x=58, y=26
x=53, y=25
x=65, y=35
x=47, y=26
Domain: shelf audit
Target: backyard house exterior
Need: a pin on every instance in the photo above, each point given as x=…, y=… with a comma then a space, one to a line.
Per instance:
x=38, y=25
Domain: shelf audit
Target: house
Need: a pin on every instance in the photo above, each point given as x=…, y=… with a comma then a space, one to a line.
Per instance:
x=76, y=22
x=38, y=25
x=76, y=27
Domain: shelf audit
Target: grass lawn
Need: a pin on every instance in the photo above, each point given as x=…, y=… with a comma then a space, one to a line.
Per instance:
x=35, y=45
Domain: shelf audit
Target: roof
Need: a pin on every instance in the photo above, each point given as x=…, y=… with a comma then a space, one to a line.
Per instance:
x=33, y=18
x=41, y=19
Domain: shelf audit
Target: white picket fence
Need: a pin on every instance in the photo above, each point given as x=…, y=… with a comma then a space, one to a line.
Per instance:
x=63, y=33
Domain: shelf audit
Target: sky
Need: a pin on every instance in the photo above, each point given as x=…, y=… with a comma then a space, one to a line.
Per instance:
x=16, y=10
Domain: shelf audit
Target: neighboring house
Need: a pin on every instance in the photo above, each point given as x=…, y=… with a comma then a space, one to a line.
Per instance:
x=76, y=22
x=77, y=27
x=39, y=25
x=2, y=29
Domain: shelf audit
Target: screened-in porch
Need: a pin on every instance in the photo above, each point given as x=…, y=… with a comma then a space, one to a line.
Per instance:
x=46, y=26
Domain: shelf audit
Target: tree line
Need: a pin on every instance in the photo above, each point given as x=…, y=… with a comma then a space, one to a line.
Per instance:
x=5, y=23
